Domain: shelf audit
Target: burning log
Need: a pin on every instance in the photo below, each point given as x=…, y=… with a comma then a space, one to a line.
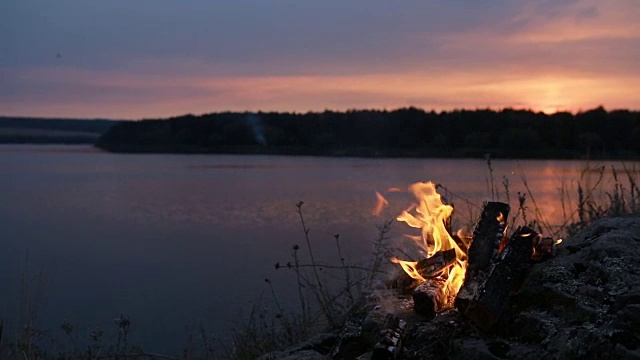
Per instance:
x=429, y=267
x=544, y=248
x=505, y=276
x=417, y=272
x=483, y=250
x=429, y=297
x=439, y=261
x=487, y=235
x=390, y=339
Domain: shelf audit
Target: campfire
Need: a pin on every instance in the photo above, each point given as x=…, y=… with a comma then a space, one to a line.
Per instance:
x=466, y=296
x=474, y=273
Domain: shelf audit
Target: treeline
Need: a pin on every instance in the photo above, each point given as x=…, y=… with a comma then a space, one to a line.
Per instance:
x=406, y=132
x=21, y=130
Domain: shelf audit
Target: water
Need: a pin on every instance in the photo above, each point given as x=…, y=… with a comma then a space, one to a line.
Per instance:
x=174, y=241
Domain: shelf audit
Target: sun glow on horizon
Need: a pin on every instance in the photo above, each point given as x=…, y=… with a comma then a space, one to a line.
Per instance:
x=556, y=56
x=144, y=96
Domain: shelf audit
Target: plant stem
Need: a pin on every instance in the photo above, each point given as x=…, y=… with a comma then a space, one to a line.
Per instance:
x=320, y=291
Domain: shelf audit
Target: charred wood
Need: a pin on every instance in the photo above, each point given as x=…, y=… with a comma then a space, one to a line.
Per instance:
x=429, y=297
x=426, y=268
x=506, y=275
x=469, y=288
x=390, y=339
x=483, y=251
x=544, y=248
x=487, y=235
x=439, y=261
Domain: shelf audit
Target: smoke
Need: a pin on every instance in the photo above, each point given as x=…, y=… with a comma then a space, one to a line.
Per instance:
x=255, y=123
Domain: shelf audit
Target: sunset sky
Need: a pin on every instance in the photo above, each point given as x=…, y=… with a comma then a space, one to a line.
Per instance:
x=158, y=58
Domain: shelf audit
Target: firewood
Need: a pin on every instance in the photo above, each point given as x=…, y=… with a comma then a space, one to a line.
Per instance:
x=429, y=297
x=492, y=298
x=390, y=339
x=487, y=235
x=436, y=263
x=544, y=248
x=483, y=251
x=426, y=268
x=470, y=286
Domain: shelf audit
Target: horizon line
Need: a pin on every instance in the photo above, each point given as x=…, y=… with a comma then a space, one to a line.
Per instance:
x=167, y=117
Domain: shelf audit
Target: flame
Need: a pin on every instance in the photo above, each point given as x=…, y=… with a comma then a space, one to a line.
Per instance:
x=380, y=205
x=430, y=216
x=409, y=267
x=394, y=189
x=558, y=242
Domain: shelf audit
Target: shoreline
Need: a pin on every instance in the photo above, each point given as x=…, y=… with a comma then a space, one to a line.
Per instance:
x=460, y=154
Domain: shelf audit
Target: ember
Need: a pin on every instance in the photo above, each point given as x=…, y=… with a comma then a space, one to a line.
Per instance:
x=544, y=248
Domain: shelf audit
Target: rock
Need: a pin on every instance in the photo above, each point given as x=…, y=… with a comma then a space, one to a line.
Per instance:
x=366, y=356
x=499, y=348
x=296, y=355
x=581, y=313
x=631, y=297
x=632, y=312
x=351, y=344
x=470, y=348
x=525, y=352
x=374, y=320
x=622, y=353
x=305, y=355
x=431, y=339
x=275, y=355
x=595, y=293
x=533, y=326
x=322, y=343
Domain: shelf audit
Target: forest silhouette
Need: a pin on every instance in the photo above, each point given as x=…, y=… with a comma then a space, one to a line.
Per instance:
x=406, y=132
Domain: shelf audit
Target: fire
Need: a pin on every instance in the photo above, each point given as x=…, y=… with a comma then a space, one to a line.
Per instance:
x=380, y=205
x=409, y=267
x=430, y=216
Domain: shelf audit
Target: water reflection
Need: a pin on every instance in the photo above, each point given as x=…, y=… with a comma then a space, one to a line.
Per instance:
x=170, y=240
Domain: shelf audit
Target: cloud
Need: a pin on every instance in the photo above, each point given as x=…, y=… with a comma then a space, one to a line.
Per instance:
x=160, y=58
x=582, y=20
x=123, y=95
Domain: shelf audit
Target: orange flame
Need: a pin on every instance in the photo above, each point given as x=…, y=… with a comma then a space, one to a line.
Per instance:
x=409, y=267
x=429, y=216
x=380, y=205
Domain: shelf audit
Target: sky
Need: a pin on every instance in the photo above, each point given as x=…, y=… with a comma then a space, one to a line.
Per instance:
x=132, y=59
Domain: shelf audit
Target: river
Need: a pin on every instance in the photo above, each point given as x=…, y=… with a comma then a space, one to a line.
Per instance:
x=175, y=241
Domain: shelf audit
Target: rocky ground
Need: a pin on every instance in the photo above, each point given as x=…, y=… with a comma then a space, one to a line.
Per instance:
x=582, y=304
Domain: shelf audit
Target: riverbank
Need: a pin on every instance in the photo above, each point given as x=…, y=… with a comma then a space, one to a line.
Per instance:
x=583, y=303
x=372, y=153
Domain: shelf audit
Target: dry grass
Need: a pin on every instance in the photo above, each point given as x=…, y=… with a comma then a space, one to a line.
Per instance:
x=327, y=293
